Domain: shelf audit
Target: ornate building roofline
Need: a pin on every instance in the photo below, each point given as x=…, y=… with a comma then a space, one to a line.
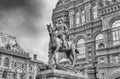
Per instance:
x=15, y=53
x=10, y=46
x=71, y=5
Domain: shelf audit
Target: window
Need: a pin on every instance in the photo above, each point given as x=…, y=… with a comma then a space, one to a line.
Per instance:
x=4, y=74
x=101, y=60
x=95, y=12
x=77, y=16
x=22, y=65
x=30, y=67
x=83, y=17
x=116, y=32
x=81, y=48
x=6, y=62
x=14, y=76
x=99, y=41
x=114, y=59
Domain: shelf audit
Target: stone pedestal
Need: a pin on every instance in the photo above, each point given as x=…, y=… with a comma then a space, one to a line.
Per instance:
x=59, y=74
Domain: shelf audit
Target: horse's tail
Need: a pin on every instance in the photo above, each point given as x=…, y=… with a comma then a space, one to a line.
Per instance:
x=76, y=50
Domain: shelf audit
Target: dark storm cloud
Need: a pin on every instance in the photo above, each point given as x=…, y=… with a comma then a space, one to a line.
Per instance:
x=26, y=19
x=20, y=16
x=30, y=5
x=13, y=3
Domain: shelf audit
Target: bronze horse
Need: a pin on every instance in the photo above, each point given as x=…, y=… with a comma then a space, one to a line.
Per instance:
x=55, y=46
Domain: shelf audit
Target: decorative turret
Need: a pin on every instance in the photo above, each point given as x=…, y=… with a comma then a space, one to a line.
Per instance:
x=64, y=15
x=60, y=12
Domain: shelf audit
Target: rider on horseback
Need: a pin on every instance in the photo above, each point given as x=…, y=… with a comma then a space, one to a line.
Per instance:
x=61, y=31
x=58, y=35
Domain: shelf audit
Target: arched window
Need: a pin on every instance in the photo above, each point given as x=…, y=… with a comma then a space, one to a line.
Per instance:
x=116, y=32
x=81, y=48
x=99, y=41
x=83, y=16
x=4, y=74
x=77, y=18
x=6, y=62
x=95, y=12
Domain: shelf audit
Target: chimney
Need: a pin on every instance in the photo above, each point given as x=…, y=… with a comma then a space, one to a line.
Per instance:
x=35, y=57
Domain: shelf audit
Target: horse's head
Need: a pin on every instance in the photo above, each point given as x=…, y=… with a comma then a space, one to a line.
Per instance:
x=49, y=28
x=51, y=33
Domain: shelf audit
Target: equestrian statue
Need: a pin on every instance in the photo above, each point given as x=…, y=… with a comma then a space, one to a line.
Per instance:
x=59, y=43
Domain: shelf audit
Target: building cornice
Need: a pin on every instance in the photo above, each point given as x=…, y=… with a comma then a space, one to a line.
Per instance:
x=70, y=5
x=109, y=9
x=108, y=65
x=108, y=50
x=14, y=53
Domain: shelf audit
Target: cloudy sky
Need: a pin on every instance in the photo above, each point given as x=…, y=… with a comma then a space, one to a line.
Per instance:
x=27, y=19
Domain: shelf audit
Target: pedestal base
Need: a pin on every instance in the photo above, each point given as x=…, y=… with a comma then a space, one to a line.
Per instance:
x=58, y=74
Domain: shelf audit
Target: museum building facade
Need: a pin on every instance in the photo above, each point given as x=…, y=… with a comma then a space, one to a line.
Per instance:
x=94, y=27
x=15, y=63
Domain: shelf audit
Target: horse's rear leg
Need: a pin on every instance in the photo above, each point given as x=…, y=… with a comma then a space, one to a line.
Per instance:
x=74, y=59
x=71, y=61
